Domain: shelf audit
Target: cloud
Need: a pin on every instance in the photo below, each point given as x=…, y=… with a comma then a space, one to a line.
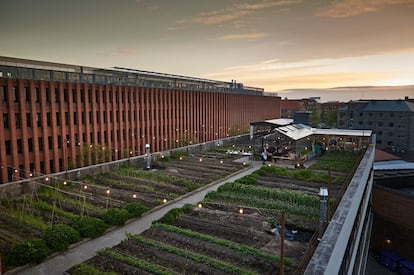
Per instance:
x=274, y=74
x=348, y=8
x=122, y=52
x=238, y=36
x=235, y=12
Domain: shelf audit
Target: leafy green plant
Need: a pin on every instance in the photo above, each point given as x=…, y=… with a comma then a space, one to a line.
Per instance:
x=33, y=250
x=89, y=227
x=173, y=214
x=144, y=265
x=85, y=269
x=116, y=216
x=135, y=209
x=59, y=236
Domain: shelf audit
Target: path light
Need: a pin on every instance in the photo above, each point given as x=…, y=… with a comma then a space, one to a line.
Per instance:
x=46, y=179
x=241, y=211
x=164, y=200
x=85, y=187
x=64, y=183
x=134, y=196
x=30, y=175
x=162, y=156
x=221, y=161
x=181, y=158
x=200, y=159
x=108, y=191
x=244, y=163
x=199, y=205
x=270, y=165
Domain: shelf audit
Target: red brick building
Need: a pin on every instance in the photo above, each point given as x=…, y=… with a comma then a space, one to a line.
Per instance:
x=58, y=116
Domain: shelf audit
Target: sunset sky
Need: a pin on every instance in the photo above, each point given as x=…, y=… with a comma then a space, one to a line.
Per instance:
x=276, y=45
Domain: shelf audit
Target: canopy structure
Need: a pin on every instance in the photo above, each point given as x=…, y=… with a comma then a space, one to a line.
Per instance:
x=300, y=131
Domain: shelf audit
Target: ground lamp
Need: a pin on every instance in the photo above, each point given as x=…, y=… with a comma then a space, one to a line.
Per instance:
x=323, y=195
x=147, y=150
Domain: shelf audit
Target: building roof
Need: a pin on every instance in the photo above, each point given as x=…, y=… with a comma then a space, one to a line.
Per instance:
x=381, y=155
x=299, y=131
x=393, y=165
x=389, y=106
x=273, y=122
x=380, y=106
x=291, y=104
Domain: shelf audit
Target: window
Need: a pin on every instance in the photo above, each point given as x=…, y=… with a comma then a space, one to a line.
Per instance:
x=83, y=118
x=47, y=95
x=7, y=144
x=57, y=118
x=380, y=123
x=5, y=121
x=59, y=142
x=90, y=117
x=66, y=118
x=15, y=95
x=391, y=124
x=97, y=96
x=50, y=142
x=97, y=117
x=74, y=95
x=28, y=120
x=19, y=146
x=48, y=119
x=82, y=94
x=30, y=144
x=89, y=96
x=65, y=95
x=39, y=120
x=56, y=95
x=18, y=120
x=37, y=95
x=27, y=93
x=3, y=93
x=40, y=140
x=75, y=118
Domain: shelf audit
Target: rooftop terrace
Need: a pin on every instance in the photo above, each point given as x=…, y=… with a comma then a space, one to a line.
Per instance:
x=17, y=68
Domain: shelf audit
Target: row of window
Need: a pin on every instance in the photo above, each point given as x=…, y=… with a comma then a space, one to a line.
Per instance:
x=379, y=114
x=38, y=93
x=100, y=117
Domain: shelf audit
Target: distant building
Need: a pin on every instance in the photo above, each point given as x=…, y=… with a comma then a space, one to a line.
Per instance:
x=391, y=120
x=289, y=107
x=329, y=112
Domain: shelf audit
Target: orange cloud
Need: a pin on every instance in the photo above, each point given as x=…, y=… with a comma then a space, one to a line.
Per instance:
x=234, y=12
x=348, y=8
x=237, y=36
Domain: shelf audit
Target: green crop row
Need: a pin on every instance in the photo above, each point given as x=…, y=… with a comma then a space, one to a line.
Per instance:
x=251, y=201
x=144, y=265
x=192, y=256
x=265, y=193
x=246, y=250
x=158, y=177
x=300, y=174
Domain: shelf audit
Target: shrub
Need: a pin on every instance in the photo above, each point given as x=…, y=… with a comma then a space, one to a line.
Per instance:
x=173, y=214
x=89, y=227
x=135, y=209
x=59, y=236
x=249, y=180
x=115, y=216
x=31, y=251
